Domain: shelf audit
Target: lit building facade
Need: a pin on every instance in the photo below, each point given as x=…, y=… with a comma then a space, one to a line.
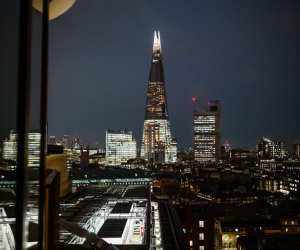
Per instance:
x=268, y=149
x=206, y=134
x=120, y=147
x=9, y=151
x=34, y=141
x=10, y=148
x=158, y=146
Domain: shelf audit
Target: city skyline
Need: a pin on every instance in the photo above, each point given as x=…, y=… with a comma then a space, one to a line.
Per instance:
x=150, y=125
x=226, y=56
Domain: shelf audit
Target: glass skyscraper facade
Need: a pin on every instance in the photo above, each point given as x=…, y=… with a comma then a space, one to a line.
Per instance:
x=206, y=134
x=10, y=148
x=158, y=146
x=120, y=147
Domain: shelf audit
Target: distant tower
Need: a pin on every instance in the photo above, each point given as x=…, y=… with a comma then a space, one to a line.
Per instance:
x=206, y=134
x=157, y=144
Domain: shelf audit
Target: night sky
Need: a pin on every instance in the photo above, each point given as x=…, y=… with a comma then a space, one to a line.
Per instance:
x=244, y=53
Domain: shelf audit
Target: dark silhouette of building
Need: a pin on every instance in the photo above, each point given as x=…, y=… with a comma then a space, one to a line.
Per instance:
x=84, y=157
x=296, y=148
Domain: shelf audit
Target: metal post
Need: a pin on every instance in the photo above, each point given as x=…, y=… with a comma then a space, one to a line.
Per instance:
x=23, y=117
x=43, y=124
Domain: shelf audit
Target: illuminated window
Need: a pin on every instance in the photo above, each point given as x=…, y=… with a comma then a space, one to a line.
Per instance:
x=191, y=243
x=201, y=223
x=201, y=236
x=201, y=247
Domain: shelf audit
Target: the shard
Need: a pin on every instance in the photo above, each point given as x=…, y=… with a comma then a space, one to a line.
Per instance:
x=158, y=146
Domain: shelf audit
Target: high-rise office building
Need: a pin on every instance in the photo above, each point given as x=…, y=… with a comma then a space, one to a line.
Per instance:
x=9, y=151
x=34, y=141
x=206, y=133
x=10, y=148
x=120, y=147
x=158, y=146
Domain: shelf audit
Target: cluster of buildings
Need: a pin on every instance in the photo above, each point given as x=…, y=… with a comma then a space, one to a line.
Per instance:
x=268, y=149
x=158, y=146
x=211, y=198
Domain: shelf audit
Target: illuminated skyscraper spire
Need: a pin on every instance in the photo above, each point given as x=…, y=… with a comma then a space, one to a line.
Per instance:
x=156, y=104
x=156, y=42
x=157, y=144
